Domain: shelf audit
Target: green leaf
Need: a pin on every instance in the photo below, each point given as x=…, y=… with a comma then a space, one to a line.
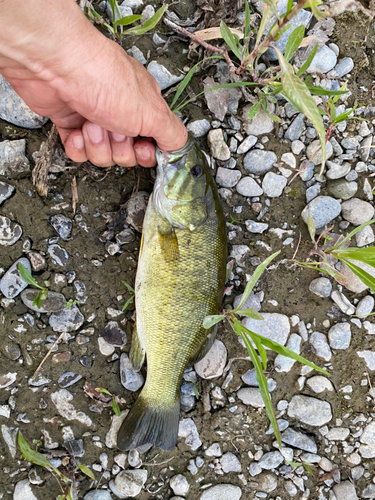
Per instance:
x=250, y=313
x=38, y=300
x=69, y=495
x=294, y=41
x=131, y=289
x=247, y=20
x=351, y=234
x=311, y=227
x=210, y=321
x=321, y=91
x=115, y=9
x=230, y=40
x=366, y=278
x=253, y=280
x=26, y=275
x=148, y=25
x=318, y=14
x=366, y=255
x=104, y=391
x=305, y=66
x=266, y=17
x=124, y=21
x=296, y=91
x=115, y=407
x=289, y=6
x=261, y=350
x=343, y=116
x=86, y=471
x=253, y=111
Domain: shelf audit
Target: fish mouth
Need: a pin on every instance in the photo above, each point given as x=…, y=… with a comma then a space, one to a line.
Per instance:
x=164, y=158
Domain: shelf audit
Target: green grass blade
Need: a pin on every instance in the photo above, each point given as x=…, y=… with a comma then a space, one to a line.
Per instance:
x=230, y=40
x=148, y=25
x=124, y=21
x=305, y=66
x=261, y=350
x=250, y=313
x=210, y=321
x=26, y=275
x=86, y=471
x=131, y=289
x=129, y=301
x=266, y=17
x=366, y=255
x=115, y=407
x=366, y=278
x=247, y=20
x=104, y=391
x=352, y=233
x=253, y=280
x=320, y=91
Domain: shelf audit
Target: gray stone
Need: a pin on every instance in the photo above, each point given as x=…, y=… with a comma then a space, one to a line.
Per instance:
x=357, y=211
x=341, y=69
x=213, y=363
x=132, y=4
x=365, y=237
x=251, y=396
x=230, y=463
x=322, y=209
x=68, y=378
x=261, y=123
x=248, y=187
x=369, y=357
x=321, y=287
x=130, y=482
x=284, y=363
x=188, y=430
x=343, y=303
x=252, y=301
x=162, y=75
x=179, y=485
x=214, y=450
x=369, y=492
x=259, y=162
x=6, y=191
x=136, y=209
x=350, y=143
x=250, y=379
x=324, y=60
x=319, y=384
x=14, y=110
x=307, y=171
x=38, y=262
x=147, y=13
x=315, y=146
x=68, y=320
x=271, y=460
x=267, y=483
x=126, y=236
x=23, y=491
x=58, y=254
x=351, y=281
x=297, y=147
x=62, y=225
x=342, y=189
x=114, y=335
x=227, y=178
x=312, y=192
x=273, y=184
x=7, y=379
x=12, y=158
x=12, y=284
x=364, y=150
x=340, y=336
x=222, y=492
x=10, y=231
x=365, y=306
x=97, y=495
x=310, y=411
x=274, y=326
x=298, y=440
x=62, y=400
x=337, y=434
x=137, y=54
x=217, y=99
x=256, y=227
x=54, y=303
x=320, y=346
x=295, y=128
x=367, y=439
x=246, y=144
x=199, y=128
x=130, y=379
x=345, y=491
x=337, y=171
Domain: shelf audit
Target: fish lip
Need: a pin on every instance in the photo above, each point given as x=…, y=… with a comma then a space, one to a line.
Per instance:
x=165, y=157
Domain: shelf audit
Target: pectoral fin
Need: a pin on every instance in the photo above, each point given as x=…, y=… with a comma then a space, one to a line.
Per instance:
x=137, y=352
x=168, y=242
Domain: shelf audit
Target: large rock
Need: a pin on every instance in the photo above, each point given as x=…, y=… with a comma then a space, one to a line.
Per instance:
x=323, y=209
x=12, y=284
x=310, y=411
x=162, y=75
x=274, y=326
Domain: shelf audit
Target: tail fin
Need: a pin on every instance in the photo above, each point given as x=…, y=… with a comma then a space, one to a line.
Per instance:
x=148, y=424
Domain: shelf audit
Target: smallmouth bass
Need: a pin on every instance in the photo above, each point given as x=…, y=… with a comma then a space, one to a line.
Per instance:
x=180, y=280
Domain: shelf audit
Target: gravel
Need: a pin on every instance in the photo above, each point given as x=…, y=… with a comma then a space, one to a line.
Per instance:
x=199, y=128
x=340, y=336
x=273, y=184
x=63, y=226
x=321, y=287
x=213, y=364
x=357, y=211
x=246, y=144
x=222, y=492
x=322, y=209
x=217, y=145
x=162, y=75
x=67, y=320
x=320, y=346
x=227, y=178
x=345, y=491
x=298, y=440
x=248, y=187
x=179, y=485
x=188, y=430
x=319, y=384
x=345, y=65
x=259, y=162
x=324, y=60
x=310, y=411
x=130, y=379
x=230, y=463
x=23, y=491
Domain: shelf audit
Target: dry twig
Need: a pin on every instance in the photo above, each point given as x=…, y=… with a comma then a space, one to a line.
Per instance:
x=42, y=165
x=47, y=355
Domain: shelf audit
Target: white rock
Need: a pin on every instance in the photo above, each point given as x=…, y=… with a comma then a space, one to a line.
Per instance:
x=274, y=326
x=130, y=482
x=246, y=144
x=61, y=400
x=162, y=75
x=369, y=357
x=23, y=491
x=111, y=436
x=10, y=437
x=7, y=379
x=318, y=384
x=283, y=363
x=310, y=410
x=214, y=450
x=261, y=124
x=230, y=463
x=342, y=302
x=213, y=364
x=251, y=396
x=188, y=430
x=345, y=491
x=227, y=178
x=248, y=187
x=179, y=485
x=337, y=434
x=222, y=492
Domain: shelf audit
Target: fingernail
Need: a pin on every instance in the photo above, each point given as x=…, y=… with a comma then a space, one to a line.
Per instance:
x=117, y=137
x=143, y=154
x=95, y=133
x=78, y=142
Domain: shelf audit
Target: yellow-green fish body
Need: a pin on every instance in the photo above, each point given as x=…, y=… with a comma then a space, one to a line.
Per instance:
x=180, y=280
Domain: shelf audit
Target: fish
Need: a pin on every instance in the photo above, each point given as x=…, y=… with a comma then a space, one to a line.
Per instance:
x=180, y=279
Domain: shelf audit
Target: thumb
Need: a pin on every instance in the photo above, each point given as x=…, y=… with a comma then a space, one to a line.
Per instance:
x=171, y=134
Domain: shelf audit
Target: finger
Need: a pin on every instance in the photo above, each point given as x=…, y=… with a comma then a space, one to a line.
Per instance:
x=145, y=152
x=97, y=145
x=122, y=150
x=170, y=133
x=74, y=144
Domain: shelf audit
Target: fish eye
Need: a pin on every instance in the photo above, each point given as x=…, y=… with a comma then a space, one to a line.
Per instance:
x=196, y=171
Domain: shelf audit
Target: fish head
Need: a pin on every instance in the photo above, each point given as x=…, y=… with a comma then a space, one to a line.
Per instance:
x=183, y=179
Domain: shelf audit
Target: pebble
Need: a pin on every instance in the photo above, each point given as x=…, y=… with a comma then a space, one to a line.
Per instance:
x=12, y=158
x=337, y=434
x=54, y=303
x=364, y=150
x=312, y=192
x=295, y=128
x=252, y=301
x=284, y=363
x=365, y=306
x=105, y=348
x=321, y=287
x=126, y=236
x=259, y=162
x=130, y=379
x=320, y=346
x=62, y=225
x=310, y=411
x=319, y=384
x=345, y=491
x=97, y=495
x=147, y=13
x=297, y=147
x=130, y=482
x=10, y=231
x=6, y=191
x=273, y=184
x=251, y=396
x=61, y=399
x=339, y=336
x=274, y=326
x=351, y=281
x=67, y=320
x=199, y=128
x=58, y=254
x=38, y=262
x=213, y=363
x=246, y=144
x=271, y=460
x=256, y=227
x=357, y=211
x=188, y=430
x=217, y=145
x=227, y=178
x=214, y=450
x=137, y=54
x=248, y=187
x=369, y=491
x=337, y=171
x=261, y=123
x=315, y=146
x=324, y=60
x=14, y=110
x=367, y=439
x=369, y=357
x=298, y=440
x=179, y=485
x=68, y=378
x=267, y=483
x=111, y=436
x=230, y=463
x=136, y=209
x=10, y=437
x=23, y=490
x=7, y=380
x=342, y=302
x=162, y=75
x=322, y=209
x=11, y=284
x=341, y=69
x=342, y=189
x=113, y=334
x=10, y=349
x=222, y=492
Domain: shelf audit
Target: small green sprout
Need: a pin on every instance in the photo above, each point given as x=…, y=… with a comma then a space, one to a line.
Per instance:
x=132, y=295
x=306, y=465
x=43, y=292
x=70, y=303
x=115, y=406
